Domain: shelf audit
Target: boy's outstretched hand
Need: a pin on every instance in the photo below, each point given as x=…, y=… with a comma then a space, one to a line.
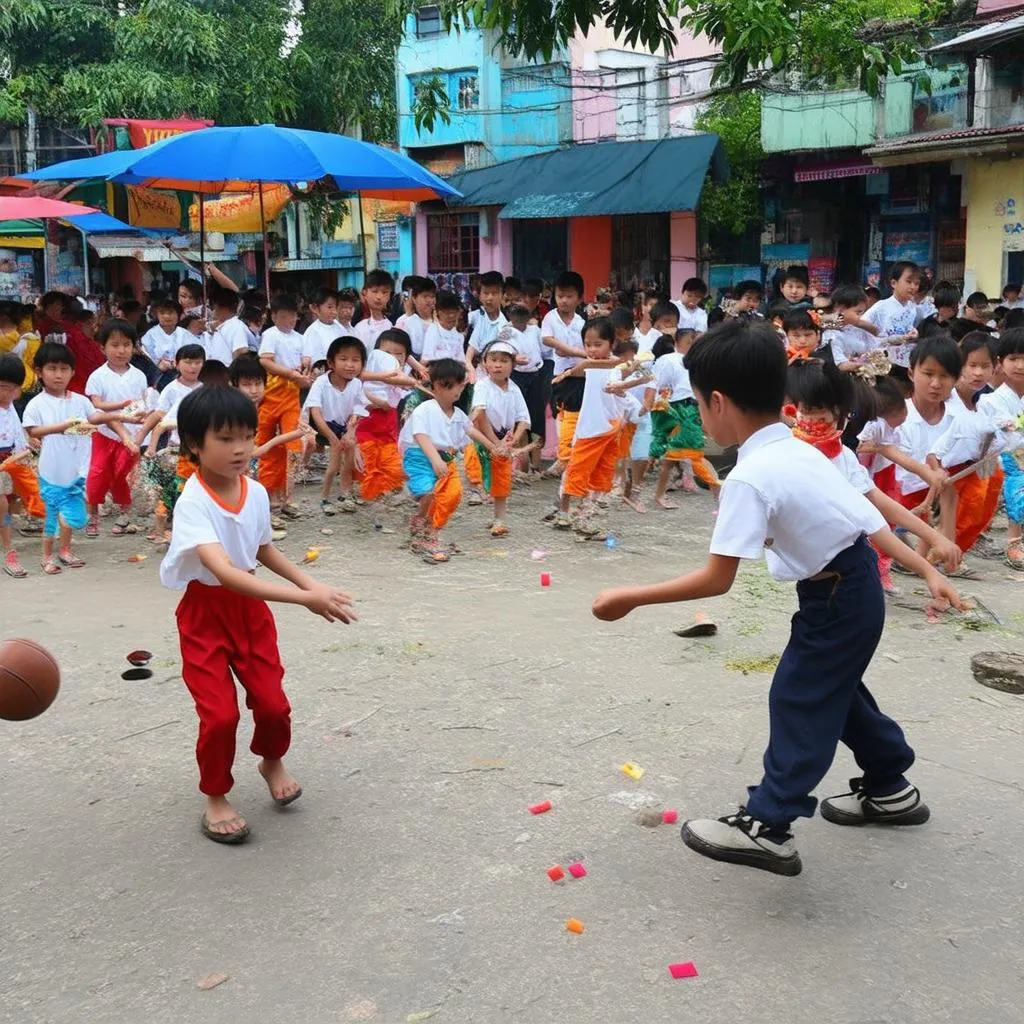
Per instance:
x=614, y=604
x=333, y=605
x=943, y=593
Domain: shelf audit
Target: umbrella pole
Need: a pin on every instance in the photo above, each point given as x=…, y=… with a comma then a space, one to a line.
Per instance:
x=202, y=254
x=266, y=249
x=85, y=265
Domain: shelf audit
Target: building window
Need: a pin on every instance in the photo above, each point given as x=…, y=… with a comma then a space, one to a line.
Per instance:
x=453, y=242
x=387, y=237
x=468, y=92
x=428, y=21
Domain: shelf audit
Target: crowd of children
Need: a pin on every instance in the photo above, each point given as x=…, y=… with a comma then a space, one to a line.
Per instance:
x=926, y=388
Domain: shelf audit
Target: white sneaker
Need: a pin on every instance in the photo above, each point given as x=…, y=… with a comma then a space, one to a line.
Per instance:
x=741, y=839
x=857, y=808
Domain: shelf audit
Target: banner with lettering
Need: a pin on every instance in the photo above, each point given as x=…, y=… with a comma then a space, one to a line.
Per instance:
x=148, y=208
x=241, y=211
x=143, y=133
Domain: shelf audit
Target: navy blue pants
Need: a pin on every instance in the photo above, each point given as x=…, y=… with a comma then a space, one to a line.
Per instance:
x=818, y=697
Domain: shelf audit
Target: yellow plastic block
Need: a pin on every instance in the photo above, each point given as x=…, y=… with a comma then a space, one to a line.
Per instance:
x=634, y=771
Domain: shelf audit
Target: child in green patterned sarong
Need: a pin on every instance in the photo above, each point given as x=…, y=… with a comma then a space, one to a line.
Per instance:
x=675, y=422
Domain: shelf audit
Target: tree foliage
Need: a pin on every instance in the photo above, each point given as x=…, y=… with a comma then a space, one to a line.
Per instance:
x=734, y=205
x=324, y=64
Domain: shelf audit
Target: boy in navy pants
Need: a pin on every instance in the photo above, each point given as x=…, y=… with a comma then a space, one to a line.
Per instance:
x=785, y=500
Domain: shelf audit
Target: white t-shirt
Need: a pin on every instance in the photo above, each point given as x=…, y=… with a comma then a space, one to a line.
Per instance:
x=447, y=433
x=916, y=439
x=317, y=339
x=671, y=374
x=849, y=343
x=964, y=440
x=336, y=405
x=891, y=316
x=157, y=344
x=286, y=349
x=482, y=329
x=527, y=343
x=553, y=326
x=416, y=327
x=646, y=341
x=691, y=319
x=598, y=410
x=505, y=406
x=441, y=344
x=231, y=337
x=379, y=361
x=64, y=457
x=108, y=386
x=786, y=500
x=999, y=407
x=880, y=432
x=202, y=518
x=11, y=434
x=170, y=398
x=369, y=330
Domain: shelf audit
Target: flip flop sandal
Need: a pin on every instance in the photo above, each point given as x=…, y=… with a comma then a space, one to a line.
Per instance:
x=434, y=556
x=227, y=838
x=120, y=527
x=72, y=561
x=131, y=528
x=50, y=567
x=1015, y=556
x=499, y=530
x=282, y=801
x=14, y=568
x=92, y=528
x=291, y=512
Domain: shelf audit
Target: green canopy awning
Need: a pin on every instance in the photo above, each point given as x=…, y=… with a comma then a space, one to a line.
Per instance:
x=597, y=179
x=22, y=228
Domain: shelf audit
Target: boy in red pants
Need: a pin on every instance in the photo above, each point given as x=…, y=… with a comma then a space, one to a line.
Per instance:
x=221, y=532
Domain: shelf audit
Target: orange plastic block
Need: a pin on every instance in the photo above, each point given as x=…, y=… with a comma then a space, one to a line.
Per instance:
x=556, y=874
x=574, y=926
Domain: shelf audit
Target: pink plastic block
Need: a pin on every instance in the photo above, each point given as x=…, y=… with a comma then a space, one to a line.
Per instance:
x=670, y=817
x=686, y=970
x=577, y=870
x=541, y=807
x=545, y=579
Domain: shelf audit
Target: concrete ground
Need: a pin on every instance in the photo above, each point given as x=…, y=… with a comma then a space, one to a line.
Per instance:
x=409, y=881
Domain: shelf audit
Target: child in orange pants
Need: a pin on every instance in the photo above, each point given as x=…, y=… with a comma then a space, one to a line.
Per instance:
x=500, y=413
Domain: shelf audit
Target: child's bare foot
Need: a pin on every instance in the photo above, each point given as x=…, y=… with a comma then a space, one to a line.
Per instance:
x=283, y=788
x=688, y=485
x=665, y=503
x=635, y=504
x=222, y=823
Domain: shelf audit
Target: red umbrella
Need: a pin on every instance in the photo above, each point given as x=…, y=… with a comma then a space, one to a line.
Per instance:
x=36, y=208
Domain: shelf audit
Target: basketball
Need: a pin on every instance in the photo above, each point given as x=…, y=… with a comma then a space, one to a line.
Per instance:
x=29, y=679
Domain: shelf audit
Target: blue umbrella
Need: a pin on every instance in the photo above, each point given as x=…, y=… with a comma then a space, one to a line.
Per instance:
x=232, y=159
x=103, y=223
x=242, y=159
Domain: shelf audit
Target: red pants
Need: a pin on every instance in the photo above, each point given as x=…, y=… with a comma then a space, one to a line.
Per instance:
x=109, y=468
x=219, y=631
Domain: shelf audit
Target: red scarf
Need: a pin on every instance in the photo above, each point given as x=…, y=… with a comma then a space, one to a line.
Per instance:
x=826, y=437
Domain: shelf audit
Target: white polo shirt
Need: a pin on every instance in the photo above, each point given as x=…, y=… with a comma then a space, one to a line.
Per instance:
x=336, y=405
x=231, y=337
x=691, y=319
x=671, y=375
x=286, y=349
x=786, y=500
x=317, y=339
x=200, y=517
x=416, y=327
x=849, y=343
x=599, y=410
x=157, y=344
x=379, y=361
x=854, y=473
x=892, y=317
x=527, y=343
x=449, y=433
x=505, y=406
x=916, y=439
x=64, y=458
x=441, y=344
x=369, y=330
x=879, y=432
x=553, y=326
x=108, y=386
x=170, y=398
x=482, y=329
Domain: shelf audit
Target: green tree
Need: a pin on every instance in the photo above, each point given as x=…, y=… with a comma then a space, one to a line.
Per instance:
x=343, y=67
x=324, y=64
x=734, y=206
